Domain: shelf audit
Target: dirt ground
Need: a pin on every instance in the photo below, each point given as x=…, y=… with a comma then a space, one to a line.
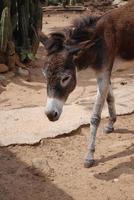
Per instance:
x=53, y=169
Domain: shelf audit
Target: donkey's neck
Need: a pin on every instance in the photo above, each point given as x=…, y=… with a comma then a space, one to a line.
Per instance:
x=92, y=57
x=84, y=30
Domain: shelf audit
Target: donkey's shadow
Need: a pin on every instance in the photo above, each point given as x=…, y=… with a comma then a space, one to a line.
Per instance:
x=121, y=168
x=124, y=131
x=116, y=172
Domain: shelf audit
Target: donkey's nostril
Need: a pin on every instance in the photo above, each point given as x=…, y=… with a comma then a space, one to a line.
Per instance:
x=52, y=115
x=55, y=114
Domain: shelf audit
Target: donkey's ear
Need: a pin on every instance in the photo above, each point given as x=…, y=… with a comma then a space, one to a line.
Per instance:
x=55, y=42
x=43, y=38
x=87, y=44
x=74, y=50
x=58, y=35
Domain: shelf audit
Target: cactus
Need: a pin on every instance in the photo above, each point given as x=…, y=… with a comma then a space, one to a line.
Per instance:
x=14, y=14
x=7, y=3
x=19, y=24
x=4, y=29
x=5, y=26
x=24, y=27
x=36, y=24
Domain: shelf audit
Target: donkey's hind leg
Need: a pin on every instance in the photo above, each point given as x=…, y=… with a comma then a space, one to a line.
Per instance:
x=112, y=112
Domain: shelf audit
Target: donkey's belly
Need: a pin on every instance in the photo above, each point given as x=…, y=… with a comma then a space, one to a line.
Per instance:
x=126, y=50
x=126, y=44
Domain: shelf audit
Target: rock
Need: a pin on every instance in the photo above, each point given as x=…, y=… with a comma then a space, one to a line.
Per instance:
x=10, y=74
x=119, y=2
x=115, y=180
x=3, y=81
x=2, y=78
x=3, y=68
x=41, y=165
x=23, y=72
x=22, y=171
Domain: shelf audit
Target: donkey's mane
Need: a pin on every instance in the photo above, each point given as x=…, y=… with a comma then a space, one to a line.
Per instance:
x=85, y=21
x=82, y=29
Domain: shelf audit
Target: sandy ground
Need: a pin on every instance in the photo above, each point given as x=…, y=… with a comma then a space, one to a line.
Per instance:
x=53, y=169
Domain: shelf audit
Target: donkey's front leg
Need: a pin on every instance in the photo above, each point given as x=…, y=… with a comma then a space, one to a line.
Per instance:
x=103, y=86
x=112, y=111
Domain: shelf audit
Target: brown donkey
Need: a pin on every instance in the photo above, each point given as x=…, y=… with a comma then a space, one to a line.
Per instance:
x=90, y=42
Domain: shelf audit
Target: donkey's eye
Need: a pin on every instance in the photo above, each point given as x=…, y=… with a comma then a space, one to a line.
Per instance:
x=65, y=80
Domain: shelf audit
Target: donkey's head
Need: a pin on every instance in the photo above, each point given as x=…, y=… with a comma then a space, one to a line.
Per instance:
x=60, y=65
x=60, y=73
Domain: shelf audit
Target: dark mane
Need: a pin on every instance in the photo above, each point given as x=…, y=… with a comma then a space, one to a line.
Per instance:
x=82, y=29
x=85, y=21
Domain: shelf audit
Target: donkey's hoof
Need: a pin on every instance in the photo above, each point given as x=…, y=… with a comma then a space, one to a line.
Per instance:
x=88, y=163
x=108, y=130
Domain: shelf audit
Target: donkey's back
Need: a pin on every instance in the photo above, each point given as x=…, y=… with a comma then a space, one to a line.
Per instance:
x=117, y=26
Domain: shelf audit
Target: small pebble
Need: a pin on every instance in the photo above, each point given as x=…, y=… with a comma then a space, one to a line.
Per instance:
x=116, y=179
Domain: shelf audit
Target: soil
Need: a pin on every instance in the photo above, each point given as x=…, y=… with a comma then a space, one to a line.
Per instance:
x=53, y=169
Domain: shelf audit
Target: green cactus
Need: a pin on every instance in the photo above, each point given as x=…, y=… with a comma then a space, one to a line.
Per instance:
x=4, y=29
x=14, y=21
x=24, y=27
x=20, y=21
x=36, y=24
x=14, y=16
x=7, y=3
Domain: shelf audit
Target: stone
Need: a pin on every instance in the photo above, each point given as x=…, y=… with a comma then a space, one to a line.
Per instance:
x=2, y=78
x=3, y=81
x=23, y=72
x=41, y=165
x=10, y=74
x=3, y=68
x=119, y=2
x=32, y=125
x=116, y=180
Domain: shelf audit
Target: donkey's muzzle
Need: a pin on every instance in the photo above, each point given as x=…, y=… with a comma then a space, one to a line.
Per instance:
x=53, y=109
x=52, y=115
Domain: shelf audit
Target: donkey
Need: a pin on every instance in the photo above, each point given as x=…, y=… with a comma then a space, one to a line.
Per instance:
x=91, y=41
